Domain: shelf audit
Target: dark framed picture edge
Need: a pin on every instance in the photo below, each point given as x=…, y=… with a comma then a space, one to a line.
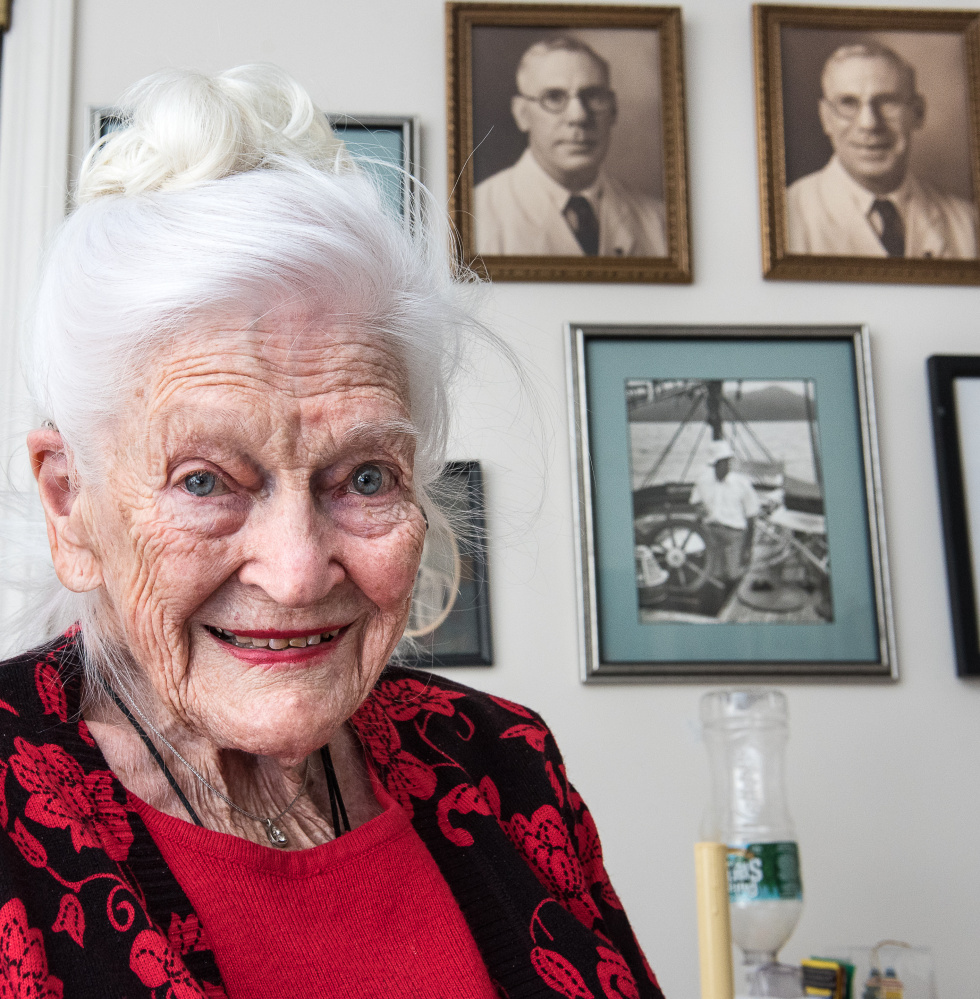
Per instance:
x=942, y=371
x=472, y=472
x=778, y=264
x=461, y=17
x=592, y=668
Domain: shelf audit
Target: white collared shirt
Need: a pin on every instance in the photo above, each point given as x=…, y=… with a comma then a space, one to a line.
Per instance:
x=829, y=213
x=731, y=501
x=519, y=211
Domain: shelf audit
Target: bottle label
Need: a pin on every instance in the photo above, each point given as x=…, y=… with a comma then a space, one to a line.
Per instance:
x=764, y=871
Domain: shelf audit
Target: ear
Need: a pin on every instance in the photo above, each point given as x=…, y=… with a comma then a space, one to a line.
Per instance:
x=826, y=111
x=518, y=108
x=77, y=565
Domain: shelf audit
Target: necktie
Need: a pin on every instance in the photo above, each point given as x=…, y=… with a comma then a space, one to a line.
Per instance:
x=583, y=223
x=892, y=231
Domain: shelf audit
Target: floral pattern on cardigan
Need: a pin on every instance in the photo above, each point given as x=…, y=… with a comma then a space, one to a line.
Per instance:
x=89, y=908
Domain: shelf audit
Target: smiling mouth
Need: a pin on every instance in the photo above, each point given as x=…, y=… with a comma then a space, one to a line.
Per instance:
x=276, y=644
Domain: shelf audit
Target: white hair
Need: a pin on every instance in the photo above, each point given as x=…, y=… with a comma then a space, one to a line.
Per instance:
x=226, y=195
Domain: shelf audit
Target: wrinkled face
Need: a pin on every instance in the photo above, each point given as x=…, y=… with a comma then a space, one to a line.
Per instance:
x=262, y=487
x=869, y=113
x=571, y=144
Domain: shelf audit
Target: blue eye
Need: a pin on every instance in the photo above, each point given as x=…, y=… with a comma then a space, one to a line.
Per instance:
x=200, y=483
x=367, y=480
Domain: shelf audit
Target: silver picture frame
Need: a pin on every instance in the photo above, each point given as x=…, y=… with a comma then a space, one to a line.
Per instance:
x=387, y=145
x=843, y=627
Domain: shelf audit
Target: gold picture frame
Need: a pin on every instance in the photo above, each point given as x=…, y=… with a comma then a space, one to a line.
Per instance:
x=816, y=223
x=641, y=188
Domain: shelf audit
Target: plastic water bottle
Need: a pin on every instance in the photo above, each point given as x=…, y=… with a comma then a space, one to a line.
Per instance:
x=746, y=732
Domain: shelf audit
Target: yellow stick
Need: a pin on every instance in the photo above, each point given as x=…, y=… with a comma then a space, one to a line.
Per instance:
x=714, y=925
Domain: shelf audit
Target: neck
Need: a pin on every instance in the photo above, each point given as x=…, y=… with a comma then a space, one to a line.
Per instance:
x=573, y=182
x=884, y=185
x=261, y=785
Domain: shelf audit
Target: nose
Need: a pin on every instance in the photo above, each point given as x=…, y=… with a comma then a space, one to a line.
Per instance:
x=575, y=110
x=293, y=551
x=868, y=115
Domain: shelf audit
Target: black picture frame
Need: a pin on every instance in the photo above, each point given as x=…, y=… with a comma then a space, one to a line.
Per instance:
x=957, y=454
x=464, y=638
x=632, y=504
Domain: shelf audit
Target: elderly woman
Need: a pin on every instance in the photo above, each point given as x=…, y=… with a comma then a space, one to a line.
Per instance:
x=216, y=780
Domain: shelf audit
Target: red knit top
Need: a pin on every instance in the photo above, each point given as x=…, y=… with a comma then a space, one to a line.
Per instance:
x=366, y=915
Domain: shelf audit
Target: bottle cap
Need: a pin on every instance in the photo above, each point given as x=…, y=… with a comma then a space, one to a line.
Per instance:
x=736, y=708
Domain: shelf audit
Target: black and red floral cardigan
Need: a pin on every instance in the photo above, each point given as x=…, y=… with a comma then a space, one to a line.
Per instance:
x=88, y=908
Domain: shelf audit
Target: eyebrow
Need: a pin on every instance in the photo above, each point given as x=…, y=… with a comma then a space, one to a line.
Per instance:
x=384, y=432
x=206, y=425
x=217, y=426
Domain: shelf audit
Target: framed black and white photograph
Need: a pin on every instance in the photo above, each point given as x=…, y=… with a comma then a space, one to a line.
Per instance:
x=728, y=504
x=954, y=383
x=461, y=634
x=567, y=151
x=387, y=146
x=868, y=130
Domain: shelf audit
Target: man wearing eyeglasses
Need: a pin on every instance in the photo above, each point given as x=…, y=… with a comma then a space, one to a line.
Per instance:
x=557, y=200
x=866, y=201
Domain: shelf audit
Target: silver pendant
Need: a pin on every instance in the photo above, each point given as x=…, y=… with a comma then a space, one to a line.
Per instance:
x=276, y=836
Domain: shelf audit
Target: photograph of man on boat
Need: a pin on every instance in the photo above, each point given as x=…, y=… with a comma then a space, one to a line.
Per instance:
x=728, y=506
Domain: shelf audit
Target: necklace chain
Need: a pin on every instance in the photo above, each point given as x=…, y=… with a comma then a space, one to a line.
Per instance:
x=269, y=823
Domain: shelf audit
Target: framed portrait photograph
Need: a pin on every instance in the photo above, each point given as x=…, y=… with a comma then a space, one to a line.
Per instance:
x=567, y=150
x=954, y=385
x=387, y=146
x=461, y=636
x=728, y=504
x=869, y=143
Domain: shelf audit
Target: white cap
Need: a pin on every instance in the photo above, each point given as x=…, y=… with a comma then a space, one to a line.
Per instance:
x=718, y=451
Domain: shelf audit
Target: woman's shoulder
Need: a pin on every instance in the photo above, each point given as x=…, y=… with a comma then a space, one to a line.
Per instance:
x=470, y=725
x=35, y=685
x=429, y=691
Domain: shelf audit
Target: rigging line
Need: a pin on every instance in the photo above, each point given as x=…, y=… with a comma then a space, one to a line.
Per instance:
x=812, y=420
x=693, y=452
x=652, y=474
x=748, y=429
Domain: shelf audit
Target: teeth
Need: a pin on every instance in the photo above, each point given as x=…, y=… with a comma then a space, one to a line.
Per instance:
x=245, y=642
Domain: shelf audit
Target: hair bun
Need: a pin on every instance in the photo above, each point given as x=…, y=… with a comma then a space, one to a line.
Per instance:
x=187, y=128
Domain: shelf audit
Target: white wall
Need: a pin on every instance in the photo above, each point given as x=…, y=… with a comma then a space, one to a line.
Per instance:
x=885, y=781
